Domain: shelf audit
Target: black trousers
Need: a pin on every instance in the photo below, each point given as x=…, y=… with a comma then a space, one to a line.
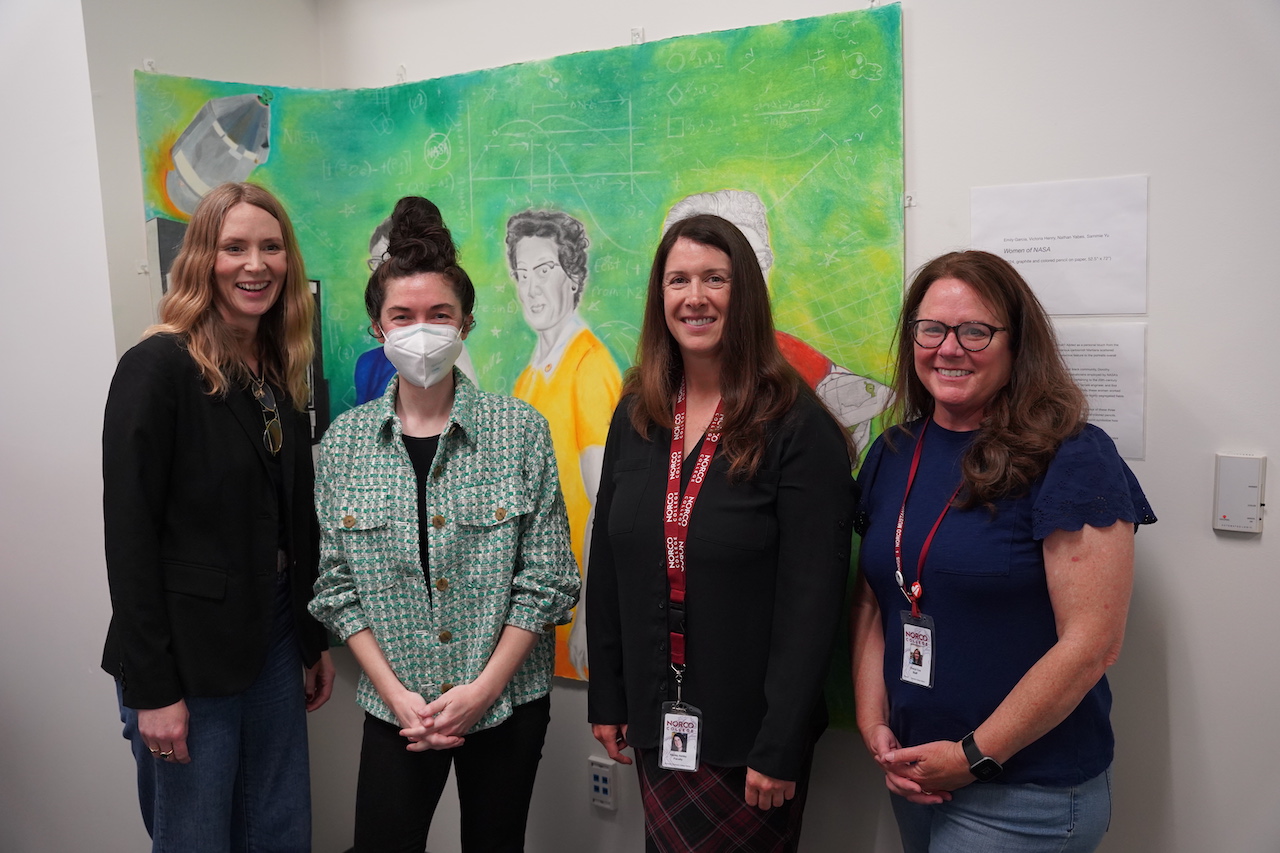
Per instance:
x=398, y=790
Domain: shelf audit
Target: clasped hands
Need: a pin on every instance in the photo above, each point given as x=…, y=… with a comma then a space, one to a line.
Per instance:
x=925, y=774
x=440, y=724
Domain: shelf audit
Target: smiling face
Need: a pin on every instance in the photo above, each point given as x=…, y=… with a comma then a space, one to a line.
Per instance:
x=695, y=296
x=961, y=383
x=546, y=291
x=426, y=297
x=251, y=265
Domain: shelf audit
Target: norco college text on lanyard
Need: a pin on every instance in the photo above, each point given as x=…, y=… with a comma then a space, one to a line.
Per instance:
x=681, y=723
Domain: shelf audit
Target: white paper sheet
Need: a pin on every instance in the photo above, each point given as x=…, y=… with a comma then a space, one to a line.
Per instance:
x=1081, y=245
x=1108, y=361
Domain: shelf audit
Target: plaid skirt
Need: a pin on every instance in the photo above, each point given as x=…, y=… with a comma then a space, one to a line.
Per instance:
x=705, y=810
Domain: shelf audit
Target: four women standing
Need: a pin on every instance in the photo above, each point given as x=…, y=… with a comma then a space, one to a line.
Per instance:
x=718, y=561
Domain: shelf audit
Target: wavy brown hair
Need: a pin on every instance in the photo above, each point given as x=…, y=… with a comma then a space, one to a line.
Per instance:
x=1028, y=419
x=190, y=308
x=757, y=384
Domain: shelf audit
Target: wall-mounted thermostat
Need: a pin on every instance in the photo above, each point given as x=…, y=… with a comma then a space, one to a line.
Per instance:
x=1238, y=492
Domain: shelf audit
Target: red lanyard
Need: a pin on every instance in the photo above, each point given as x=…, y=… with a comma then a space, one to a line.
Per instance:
x=917, y=589
x=675, y=521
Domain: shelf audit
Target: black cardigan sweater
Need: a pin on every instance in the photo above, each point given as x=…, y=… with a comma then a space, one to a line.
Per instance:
x=767, y=560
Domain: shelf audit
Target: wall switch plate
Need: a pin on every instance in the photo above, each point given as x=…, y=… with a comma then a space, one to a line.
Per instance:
x=602, y=792
x=1239, y=492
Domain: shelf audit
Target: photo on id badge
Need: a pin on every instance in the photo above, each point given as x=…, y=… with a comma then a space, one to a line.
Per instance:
x=679, y=742
x=917, y=649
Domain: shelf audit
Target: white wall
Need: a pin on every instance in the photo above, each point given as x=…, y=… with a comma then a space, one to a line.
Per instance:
x=998, y=91
x=63, y=785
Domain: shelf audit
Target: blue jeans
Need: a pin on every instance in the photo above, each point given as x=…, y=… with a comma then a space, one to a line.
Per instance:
x=248, y=786
x=995, y=818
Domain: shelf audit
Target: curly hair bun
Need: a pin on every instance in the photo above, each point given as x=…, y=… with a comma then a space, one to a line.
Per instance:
x=419, y=238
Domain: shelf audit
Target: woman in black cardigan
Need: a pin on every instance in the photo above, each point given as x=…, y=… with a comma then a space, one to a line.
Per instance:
x=211, y=540
x=714, y=618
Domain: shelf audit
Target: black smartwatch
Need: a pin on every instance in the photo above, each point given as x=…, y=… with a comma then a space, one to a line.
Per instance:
x=984, y=768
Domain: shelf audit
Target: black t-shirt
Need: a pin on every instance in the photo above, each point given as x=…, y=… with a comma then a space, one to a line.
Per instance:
x=422, y=451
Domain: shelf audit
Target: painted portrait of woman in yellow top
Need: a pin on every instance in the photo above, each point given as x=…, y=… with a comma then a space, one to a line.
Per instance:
x=571, y=379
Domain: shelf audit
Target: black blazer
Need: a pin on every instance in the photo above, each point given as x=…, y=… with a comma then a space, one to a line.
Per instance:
x=192, y=531
x=767, y=561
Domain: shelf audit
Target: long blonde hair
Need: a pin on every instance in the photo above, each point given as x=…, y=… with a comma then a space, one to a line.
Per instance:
x=190, y=310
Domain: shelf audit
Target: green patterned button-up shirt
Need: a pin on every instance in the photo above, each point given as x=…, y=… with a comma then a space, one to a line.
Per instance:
x=497, y=538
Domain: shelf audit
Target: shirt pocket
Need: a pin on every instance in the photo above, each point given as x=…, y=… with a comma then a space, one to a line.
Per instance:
x=489, y=521
x=380, y=553
x=629, y=479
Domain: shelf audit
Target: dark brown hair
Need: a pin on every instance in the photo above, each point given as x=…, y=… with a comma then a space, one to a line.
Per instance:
x=419, y=242
x=756, y=383
x=1024, y=424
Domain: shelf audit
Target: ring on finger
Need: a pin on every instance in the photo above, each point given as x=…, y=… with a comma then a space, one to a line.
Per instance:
x=166, y=754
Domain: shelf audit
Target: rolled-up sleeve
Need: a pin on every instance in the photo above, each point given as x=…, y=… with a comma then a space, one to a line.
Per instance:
x=545, y=584
x=336, y=603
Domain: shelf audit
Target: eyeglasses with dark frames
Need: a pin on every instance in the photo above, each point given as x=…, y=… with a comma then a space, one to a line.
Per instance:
x=972, y=336
x=272, y=432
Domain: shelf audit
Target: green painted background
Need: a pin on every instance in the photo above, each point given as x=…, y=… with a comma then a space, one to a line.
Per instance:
x=807, y=114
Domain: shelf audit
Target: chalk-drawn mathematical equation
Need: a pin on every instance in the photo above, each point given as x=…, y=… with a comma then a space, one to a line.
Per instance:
x=694, y=57
x=396, y=166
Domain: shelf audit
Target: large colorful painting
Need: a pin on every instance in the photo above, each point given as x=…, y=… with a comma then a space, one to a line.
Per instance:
x=557, y=178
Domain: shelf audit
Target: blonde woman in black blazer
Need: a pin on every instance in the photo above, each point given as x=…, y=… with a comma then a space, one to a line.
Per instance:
x=211, y=542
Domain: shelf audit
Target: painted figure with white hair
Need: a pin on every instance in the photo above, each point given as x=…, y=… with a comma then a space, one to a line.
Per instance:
x=853, y=399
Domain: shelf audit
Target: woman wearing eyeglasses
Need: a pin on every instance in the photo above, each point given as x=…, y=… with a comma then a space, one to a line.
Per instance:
x=571, y=379
x=445, y=564
x=211, y=541
x=997, y=562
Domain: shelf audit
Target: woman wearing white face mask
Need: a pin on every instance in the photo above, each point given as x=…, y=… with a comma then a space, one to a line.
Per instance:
x=445, y=564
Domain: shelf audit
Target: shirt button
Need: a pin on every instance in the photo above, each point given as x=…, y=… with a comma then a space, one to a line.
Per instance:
x=348, y=521
x=446, y=636
x=500, y=514
x=548, y=626
x=442, y=584
x=438, y=471
x=446, y=687
x=437, y=521
x=662, y=605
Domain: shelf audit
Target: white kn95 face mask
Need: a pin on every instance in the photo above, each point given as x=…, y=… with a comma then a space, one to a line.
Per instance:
x=424, y=353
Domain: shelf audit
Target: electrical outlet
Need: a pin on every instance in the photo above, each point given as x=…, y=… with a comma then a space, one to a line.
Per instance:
x=602, y=791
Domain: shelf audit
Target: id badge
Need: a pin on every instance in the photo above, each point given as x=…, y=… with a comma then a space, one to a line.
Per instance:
x=917, y=649
x=681, y=737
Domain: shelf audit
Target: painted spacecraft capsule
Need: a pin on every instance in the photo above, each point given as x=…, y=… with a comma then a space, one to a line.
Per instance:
x=226, y=140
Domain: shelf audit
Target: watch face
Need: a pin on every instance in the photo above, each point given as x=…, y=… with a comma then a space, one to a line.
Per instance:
x=986, y=769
